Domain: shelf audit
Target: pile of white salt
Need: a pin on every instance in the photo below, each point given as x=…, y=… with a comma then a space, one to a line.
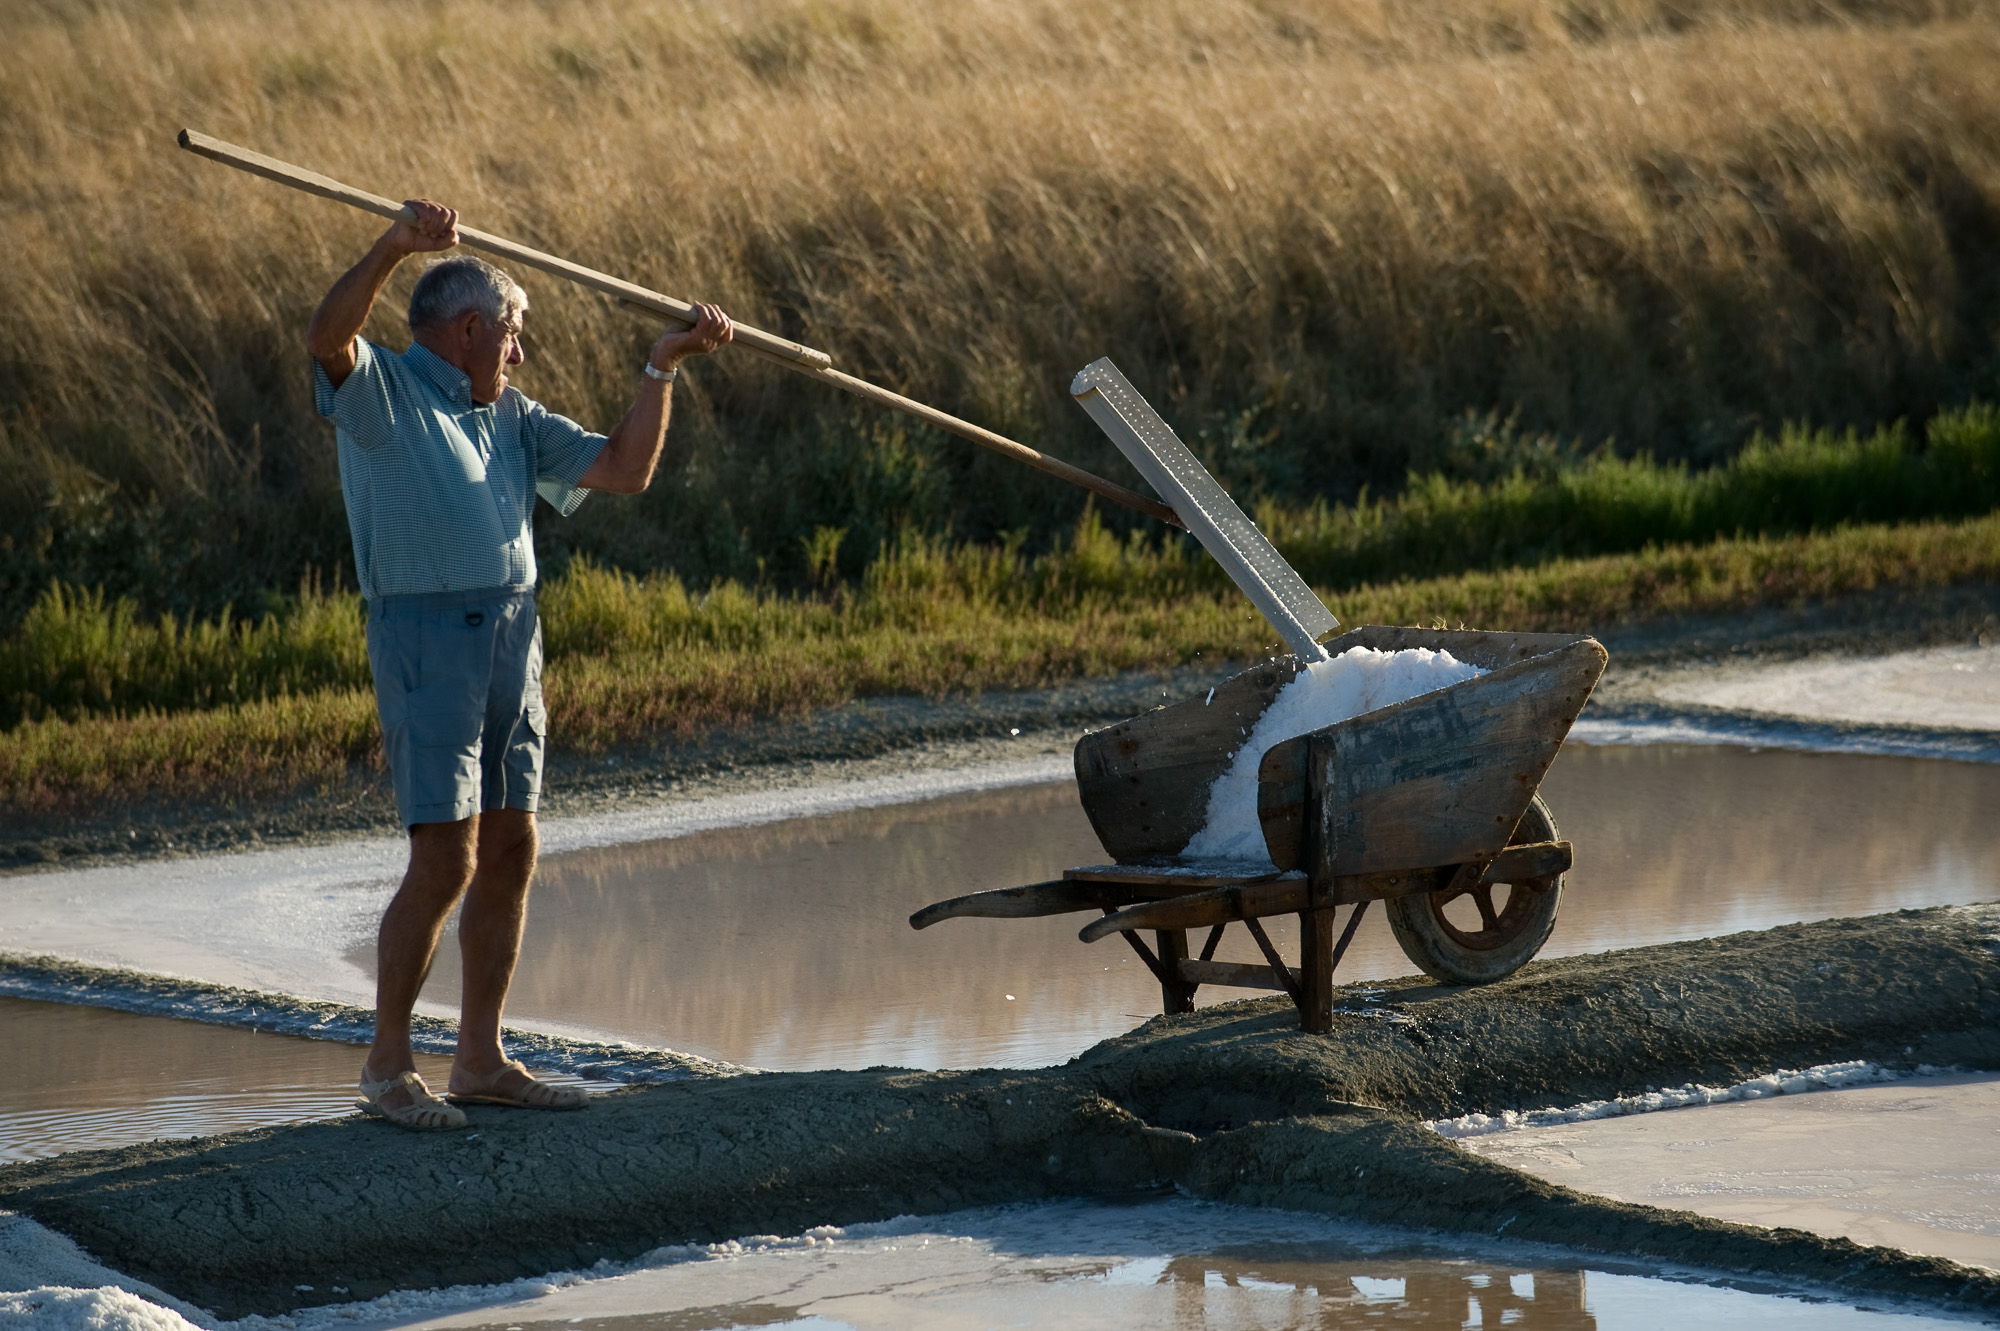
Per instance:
x=1359, y=680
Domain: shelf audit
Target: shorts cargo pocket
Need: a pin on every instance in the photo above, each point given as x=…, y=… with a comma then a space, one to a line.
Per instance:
x=524, y=756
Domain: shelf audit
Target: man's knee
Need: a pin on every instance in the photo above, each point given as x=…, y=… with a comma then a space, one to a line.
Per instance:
x=441, y=857
x=508, y=842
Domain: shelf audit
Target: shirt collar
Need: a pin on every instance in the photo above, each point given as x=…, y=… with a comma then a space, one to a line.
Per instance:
x=447, y=378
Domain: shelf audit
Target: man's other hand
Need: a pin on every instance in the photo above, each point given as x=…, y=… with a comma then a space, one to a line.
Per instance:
x=436, y=228
x=711, y=329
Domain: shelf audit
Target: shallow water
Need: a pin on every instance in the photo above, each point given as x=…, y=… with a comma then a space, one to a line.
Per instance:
x=786, y=945
x=1156, y=1263
x=783, y=941
x=104, y=1078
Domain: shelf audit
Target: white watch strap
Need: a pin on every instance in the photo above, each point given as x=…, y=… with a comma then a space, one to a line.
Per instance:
x=664, y=376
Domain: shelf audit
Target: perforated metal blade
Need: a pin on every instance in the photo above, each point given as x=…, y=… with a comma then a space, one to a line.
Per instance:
x=1223, y=529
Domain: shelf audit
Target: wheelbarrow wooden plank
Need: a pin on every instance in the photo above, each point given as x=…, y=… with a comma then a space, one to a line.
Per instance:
x=1279, y=896
x=1144, y=783
x=1059, y=897
x=1187, y=880
x=1086, y=887
x=1444, y=778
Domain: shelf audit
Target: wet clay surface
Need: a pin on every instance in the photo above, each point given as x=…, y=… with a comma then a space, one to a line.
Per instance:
x=1232, y=1103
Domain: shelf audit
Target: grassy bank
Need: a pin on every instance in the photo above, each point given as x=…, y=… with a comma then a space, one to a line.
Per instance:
x=640, y=661
x=81, y=653
x=1316, y=232
x=1509, y=499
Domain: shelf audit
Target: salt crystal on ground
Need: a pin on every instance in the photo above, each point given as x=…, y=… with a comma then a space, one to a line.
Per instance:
x=56, y=1308
x=1825, y=1077
x=1359, y=680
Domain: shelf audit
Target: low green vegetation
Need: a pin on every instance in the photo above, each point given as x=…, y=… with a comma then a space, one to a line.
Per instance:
x=638, y=661
x=1500, y=498
x=1505, y=500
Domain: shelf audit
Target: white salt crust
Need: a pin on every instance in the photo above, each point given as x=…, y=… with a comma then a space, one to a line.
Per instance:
x=1825, y=1077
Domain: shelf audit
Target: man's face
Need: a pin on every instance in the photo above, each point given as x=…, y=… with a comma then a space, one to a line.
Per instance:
x=489, y=350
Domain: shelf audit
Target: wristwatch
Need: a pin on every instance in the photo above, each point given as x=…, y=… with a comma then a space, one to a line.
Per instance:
x=664, y=376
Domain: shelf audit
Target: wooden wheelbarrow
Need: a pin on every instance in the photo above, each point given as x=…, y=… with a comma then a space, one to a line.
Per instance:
x=1429, y=806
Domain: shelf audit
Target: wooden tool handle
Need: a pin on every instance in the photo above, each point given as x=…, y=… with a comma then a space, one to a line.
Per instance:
x=791, y=355
x=984, y=437
x=312, y=182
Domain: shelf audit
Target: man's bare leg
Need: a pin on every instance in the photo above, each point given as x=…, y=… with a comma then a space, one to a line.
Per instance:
x=489, y=939
x=441, y=865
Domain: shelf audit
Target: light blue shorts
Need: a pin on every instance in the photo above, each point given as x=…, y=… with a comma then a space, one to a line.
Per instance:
x=458, y=680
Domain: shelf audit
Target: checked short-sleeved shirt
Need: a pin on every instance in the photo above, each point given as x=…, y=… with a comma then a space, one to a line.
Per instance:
x=440, y=490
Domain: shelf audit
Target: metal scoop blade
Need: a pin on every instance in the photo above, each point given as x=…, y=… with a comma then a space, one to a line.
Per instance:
x=1223, y=529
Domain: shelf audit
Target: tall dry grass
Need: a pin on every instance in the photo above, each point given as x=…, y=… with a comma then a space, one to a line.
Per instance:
x=1314, y=231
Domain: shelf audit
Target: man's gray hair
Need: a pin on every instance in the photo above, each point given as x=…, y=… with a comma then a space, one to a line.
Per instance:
x=451, y=287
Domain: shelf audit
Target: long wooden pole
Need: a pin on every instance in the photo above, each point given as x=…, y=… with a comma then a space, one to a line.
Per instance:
x=792, y=355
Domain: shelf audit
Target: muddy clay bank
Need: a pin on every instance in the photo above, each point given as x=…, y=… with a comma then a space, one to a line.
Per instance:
x=1231, y=1103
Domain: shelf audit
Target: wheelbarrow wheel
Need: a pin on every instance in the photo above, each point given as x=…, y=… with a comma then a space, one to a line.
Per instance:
x=1488, y=932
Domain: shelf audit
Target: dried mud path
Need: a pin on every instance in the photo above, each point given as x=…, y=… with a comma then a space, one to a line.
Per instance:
x=1230, y=1103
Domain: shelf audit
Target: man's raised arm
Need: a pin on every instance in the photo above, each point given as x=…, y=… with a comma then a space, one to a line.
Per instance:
x=338, y=320
x=632, y=451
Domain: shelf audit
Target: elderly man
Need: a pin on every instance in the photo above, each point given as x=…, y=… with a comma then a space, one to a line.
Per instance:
x=440, y=463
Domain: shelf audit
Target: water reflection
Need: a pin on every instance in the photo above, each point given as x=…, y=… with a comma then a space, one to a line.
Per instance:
x=786, y=945
x=1675, y=842
x=1176, y=1264
x=1297, y=1291
x=1244, y=1294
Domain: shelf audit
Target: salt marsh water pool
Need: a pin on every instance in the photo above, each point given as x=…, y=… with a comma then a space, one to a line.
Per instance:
x=786, y=944
x=104, y=1078
x=1159, y=1262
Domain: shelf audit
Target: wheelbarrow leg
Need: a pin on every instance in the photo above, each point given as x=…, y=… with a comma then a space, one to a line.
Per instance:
x=1316, y=970
x=1175, y=995
x=1318, y=955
